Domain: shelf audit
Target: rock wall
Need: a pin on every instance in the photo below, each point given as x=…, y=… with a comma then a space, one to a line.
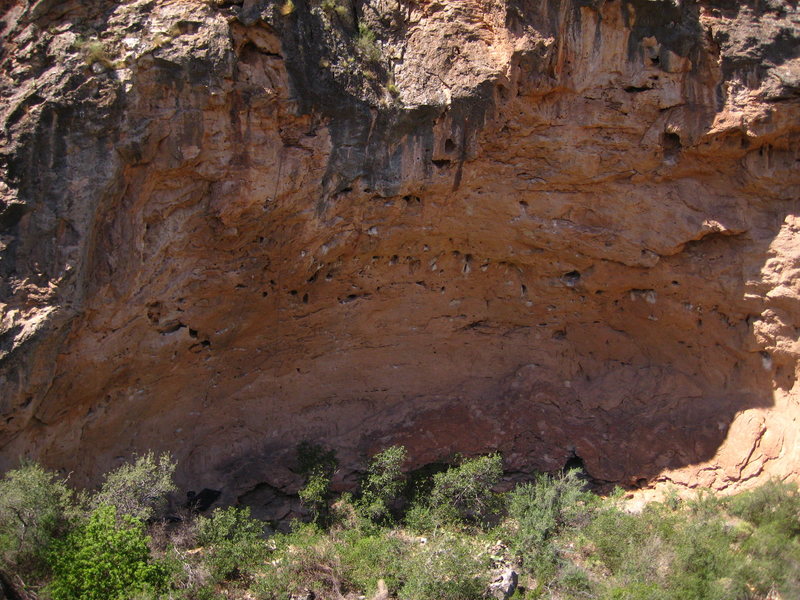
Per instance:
x=553, y=228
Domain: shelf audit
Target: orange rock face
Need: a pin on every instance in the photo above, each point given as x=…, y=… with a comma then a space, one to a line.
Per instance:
x=553, y=229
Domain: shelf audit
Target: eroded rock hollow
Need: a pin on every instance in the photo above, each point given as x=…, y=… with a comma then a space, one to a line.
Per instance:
x=553, y=228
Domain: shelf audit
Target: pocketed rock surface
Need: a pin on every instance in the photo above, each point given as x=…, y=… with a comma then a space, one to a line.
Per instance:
x=551, y=228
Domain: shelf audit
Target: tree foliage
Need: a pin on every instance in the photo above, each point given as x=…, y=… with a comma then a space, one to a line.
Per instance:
x=464, y=492
x=138, y=489
x=105, y=558
x=383, y=483
x=35, y=508
x=233, y=542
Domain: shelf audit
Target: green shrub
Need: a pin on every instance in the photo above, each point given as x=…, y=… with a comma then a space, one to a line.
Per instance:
x=612, y=534
x=106, y=558
x=318, y=465
x=139, y=489
x=420, y=517
x=464, y=493
x=233, y=543
x=383, y=484
x=330, y=564
x=35, y=508
x=335, y=6
x=367, y=44
x=705, y=566
x=446, y=568
x=366, y=559
x=541, y=510
x=306, y=559
x=775, y=502
x=574, y=579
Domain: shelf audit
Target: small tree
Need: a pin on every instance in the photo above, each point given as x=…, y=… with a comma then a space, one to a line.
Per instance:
x=542, y=510
x=318, y=465
x=35, y=509
x=106, y=558
x=139, y=489
x=465, y=492
x=383, y=483
x=234, y=542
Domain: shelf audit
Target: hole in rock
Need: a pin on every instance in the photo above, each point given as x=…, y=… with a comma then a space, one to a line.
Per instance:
x=572, y=278
x=671, y=143
x=170, y=327
x=441, y=163
x=502, y=91
x=449, y=146
x=202, y=502
x=11, y=215
x=189, y=27
x=574, y=462
x=305, y=298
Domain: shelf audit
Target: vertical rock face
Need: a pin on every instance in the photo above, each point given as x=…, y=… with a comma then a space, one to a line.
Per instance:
x=552, y=228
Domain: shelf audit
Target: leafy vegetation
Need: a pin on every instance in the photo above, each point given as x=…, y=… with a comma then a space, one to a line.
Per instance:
x=105, y=559
x=447, y=534
x=234, y=542
x=139, y=489
x=464, y=493
x=383, y=484
x=318, y=465
x=35, y=510
x=367, y=44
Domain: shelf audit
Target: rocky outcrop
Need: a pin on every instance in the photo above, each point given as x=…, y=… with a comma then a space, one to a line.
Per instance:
x=558, y=229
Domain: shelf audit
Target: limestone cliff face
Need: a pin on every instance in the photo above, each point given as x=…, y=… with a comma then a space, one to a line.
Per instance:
x=546, y=227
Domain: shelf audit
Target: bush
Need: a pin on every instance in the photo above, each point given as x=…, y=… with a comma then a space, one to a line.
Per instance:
x=383, y=484
x=234, y=543
x=612, y=533
x=106, y=558
x=304, y=560
x=366, y=559
x=464, y=493
x=35, y=508
x=574, y=579
x=367, y=44
x=774, y=503
x=318, y=465
x=446, y=568
x=332, y=564
x=140, y=489
x=542, y=510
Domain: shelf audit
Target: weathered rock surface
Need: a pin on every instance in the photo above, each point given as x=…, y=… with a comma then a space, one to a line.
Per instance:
x=553, y=228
